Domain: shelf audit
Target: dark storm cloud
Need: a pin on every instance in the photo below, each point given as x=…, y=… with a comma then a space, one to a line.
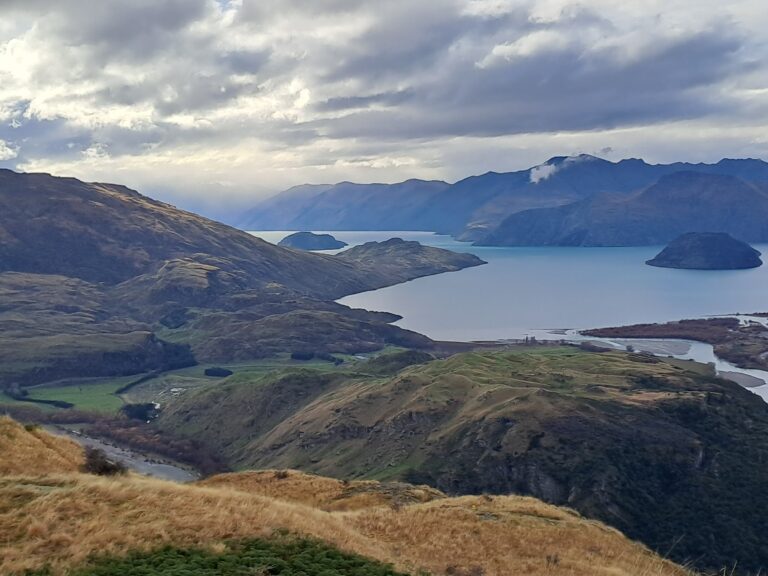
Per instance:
x=572, y=86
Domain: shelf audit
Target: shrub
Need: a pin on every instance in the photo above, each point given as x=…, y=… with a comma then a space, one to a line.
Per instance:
x=216, y=372
x=282, y=555
x=97, y=462
x=143, y=412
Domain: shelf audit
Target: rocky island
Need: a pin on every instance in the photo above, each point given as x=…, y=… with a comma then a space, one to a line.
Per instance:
x=311, y=241
x=707, y=251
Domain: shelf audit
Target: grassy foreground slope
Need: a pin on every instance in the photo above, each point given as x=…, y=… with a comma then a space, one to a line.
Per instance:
x=72, y=523
x=660, y=449
x=34, y=451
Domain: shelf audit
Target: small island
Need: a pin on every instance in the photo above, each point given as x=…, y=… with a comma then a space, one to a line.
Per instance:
x=707, y=251
x=311, y=241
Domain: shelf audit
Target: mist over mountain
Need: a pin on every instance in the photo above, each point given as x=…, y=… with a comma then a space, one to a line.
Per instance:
x=678, y=203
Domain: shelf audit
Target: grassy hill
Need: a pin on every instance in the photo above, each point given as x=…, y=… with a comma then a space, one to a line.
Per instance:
x=660, y=449
x=287, y=522
x=32, y=451
x=97, y=280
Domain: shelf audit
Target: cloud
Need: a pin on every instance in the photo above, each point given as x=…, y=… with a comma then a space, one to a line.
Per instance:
x=179, y=96
x=7, y=152
x=542, y=172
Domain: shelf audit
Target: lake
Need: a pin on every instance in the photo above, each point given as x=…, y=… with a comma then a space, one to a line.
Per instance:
x=551, y=293
x=531, y=291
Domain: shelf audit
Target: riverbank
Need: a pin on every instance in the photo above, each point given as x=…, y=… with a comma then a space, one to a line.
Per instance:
x=142, y=463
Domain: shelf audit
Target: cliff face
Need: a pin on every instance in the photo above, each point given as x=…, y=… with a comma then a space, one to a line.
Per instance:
x=707, y=251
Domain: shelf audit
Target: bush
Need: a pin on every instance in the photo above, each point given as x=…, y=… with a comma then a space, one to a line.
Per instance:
x=143, y=412
x=281, y=555
x=216, y=372
x=97, y=462
x=299, y=355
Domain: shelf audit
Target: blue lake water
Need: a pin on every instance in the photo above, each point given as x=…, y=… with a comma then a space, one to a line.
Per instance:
x=531, y=291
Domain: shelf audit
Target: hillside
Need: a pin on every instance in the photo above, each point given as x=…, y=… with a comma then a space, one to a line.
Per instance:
x=311, y=241
x=400, y=259
x=136, y=525
x=686, y=477
x=98, y=280
x=473, y=207
x=32, y=451
x=347, y=206
x=679, y=203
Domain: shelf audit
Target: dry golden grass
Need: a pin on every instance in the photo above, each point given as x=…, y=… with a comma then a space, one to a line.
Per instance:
x=61, y=519
x=35, y=451
x=327, y=494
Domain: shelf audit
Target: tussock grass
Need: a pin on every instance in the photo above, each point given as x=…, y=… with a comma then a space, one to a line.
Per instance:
x=51, y=516
x=328, y=494
x=33, y=451
x=63, y=521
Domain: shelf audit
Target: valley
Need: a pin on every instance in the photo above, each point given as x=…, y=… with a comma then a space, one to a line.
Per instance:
x=437, y=288
x=201, y=360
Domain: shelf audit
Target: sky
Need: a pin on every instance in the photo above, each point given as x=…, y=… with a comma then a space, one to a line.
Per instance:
x=213, y=104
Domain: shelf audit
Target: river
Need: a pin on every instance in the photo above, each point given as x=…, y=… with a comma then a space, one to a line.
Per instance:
x=136, y=461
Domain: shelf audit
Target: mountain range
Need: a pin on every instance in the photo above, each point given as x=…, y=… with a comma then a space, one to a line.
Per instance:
x=574, y=200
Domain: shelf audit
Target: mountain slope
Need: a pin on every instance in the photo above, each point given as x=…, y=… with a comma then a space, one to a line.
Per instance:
x=98, y=280
x=347, y=206
x=474, y=206
x=61, y=521
x=32, y=451
x=673, y=457
x=679, y=203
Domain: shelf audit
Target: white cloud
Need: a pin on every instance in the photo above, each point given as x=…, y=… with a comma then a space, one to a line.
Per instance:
x=178, y=96
x=533, y=43
x=542, y=172
x=7, y=152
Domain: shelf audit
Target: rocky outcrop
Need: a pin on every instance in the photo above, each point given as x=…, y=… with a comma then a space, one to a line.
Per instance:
x=707, y=251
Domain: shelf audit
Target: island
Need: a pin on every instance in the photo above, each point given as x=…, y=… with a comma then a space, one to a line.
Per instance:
x=311, y=241
x=707, y=251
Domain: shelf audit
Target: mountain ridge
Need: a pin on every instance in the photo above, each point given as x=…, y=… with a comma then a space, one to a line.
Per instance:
x=473, y=207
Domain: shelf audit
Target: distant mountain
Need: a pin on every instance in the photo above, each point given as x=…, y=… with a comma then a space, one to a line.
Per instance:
x=707, y=251
x=678, y=203
x=347, y=206
x=473, y=207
